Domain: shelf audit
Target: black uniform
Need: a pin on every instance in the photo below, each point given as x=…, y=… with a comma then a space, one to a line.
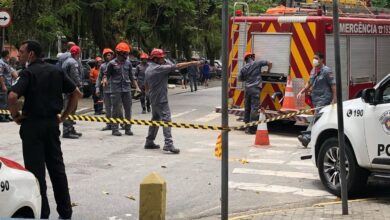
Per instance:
x=42, y=85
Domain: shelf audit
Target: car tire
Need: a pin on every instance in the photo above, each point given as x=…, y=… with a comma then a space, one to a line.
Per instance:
x=329, y=168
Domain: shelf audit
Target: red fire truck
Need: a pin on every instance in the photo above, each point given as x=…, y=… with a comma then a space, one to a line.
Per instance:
x=289, y=40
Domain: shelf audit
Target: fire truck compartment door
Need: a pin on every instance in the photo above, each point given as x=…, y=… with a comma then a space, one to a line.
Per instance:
x=362, y=59
x=274, y=47
x=383, y=54
x=343, y=60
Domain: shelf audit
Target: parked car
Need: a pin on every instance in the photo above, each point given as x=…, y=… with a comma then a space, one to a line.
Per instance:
x=19, y=191
x=367, y=138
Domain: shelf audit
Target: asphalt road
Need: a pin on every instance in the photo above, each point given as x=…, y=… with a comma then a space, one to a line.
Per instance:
x=104, y=171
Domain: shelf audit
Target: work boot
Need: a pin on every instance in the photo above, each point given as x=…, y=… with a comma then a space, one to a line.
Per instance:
x=250, y=131
x=151, y=145
x=171, y=149
x=143, y=111
x=116, y=133
x=106, y=128
x=73, y=131
x=70, y=136
x=304, y=139
x=148, y=108
x=129, y=132
x=122, y=127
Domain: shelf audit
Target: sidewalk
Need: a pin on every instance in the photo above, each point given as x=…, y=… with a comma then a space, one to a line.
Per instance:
x=375, y=209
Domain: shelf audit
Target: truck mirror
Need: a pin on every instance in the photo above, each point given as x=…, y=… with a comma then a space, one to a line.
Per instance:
x=368, y=96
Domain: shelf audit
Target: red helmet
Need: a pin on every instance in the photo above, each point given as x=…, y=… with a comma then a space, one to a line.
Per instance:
x=123, y=47
x=248, y=54
x=98, y=59
x=157, y=53
x=107, y=50
x=144, y=56
x=74, y=50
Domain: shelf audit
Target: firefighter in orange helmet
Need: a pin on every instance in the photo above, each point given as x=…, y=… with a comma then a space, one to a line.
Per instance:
x=119, y=75
x=250, y=73
x=108, y=55
x=140, y=75
x=93, y=75
x=156, y=84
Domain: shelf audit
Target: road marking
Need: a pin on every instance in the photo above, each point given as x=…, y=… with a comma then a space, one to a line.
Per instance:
x=209, y=117
x=271, y=161
x=258, y=187
x=259, y=151
x=276, y=173
x=301, y=163
x=81, y=110
x=183, y=113
x=275, y=161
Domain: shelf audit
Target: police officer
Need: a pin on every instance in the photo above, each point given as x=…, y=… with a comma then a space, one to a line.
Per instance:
x=72, y=69
x=156, y=84
x=322, y=89
x=108, y=55
x=7, y=74
x=42, y=85
x=250, y=73
x=140, y=75
x=119, y=75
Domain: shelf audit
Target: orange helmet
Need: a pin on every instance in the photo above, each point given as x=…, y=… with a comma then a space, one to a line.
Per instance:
x=144, y=56
x=123, y=47
x=248, y=54
x=107, y=50
x=98, y=59
x=74, y=50
x=157, y=53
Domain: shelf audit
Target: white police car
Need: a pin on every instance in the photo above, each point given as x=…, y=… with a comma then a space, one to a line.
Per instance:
x=367, y=137
x=19, y=191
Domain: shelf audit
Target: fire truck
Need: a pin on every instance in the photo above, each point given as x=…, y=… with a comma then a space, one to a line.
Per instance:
x=289, y=38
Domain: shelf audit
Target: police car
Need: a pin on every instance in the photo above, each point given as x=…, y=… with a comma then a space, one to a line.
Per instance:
x=19, y=191
x=367, y=137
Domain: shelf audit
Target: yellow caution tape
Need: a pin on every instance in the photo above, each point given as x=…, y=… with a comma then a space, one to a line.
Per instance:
x=174, y=124
x=218, y=147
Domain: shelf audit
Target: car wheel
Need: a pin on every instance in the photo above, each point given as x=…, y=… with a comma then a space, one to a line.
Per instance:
x=329, y=168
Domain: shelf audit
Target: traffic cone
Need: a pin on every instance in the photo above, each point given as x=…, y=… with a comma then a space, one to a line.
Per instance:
x=262, y=138
x=289, y=101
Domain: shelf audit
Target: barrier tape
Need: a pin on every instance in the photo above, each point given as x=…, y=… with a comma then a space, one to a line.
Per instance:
x=174, y=124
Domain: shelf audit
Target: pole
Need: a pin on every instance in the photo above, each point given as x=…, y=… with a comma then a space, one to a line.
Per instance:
x=225, y=122
x=2, y=40
x=343, y=181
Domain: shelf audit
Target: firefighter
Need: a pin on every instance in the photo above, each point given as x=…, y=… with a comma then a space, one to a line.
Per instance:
x=93, y=75
x=108, y=55
x=156, y=85
x=72, y=68
x=250, y=73
x=322, y=89
x=64, y=56
x=7, y=76
x=140, y=75
x=119, y=75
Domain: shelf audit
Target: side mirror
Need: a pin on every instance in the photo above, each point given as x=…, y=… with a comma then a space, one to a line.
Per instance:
x=368, y=96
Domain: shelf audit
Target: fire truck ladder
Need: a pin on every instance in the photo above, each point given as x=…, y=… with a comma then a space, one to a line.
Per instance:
x=242, y=42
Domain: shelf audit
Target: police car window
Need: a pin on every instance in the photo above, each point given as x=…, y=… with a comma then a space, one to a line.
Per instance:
x=386, y=93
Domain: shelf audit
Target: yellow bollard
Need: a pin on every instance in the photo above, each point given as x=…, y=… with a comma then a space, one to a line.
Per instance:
x=152, y=203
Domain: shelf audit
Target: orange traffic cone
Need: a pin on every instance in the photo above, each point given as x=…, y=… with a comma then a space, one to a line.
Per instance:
x=289, y=102
x=262, y=138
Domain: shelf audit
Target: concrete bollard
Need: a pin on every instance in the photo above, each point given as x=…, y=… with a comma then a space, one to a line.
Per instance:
x=152, y=203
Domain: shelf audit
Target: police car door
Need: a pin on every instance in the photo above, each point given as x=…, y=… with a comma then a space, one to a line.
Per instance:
x=377, y=127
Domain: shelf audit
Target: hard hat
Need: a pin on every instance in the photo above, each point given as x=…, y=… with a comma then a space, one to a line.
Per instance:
x=248, y=54
x=75, y=50
x=144, y=56
x=157, y=53
x=122, y=47
x=59, y=55
x=98, y=59
x=107, y=50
